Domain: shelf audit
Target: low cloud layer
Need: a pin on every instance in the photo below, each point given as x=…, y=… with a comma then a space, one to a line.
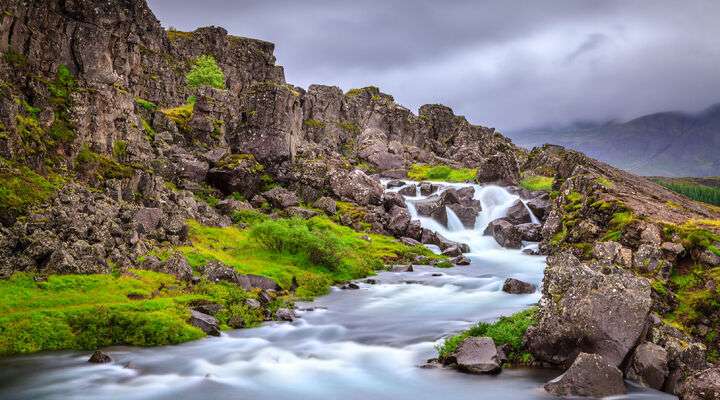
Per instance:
x=507, y=64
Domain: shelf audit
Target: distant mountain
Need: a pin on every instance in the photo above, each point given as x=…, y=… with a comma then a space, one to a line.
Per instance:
x=666, y=144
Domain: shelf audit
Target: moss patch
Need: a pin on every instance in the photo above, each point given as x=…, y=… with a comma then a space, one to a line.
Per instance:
x=424, y=172
x=21, y=188
x=141, y=308
x=535, y=183
x=316, y=252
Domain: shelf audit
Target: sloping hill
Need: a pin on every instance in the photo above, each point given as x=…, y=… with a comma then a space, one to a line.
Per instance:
x=666, y=144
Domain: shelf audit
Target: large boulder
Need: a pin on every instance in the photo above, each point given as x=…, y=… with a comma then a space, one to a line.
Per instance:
x=326, y=204
x=147, y=219
x=589, y=376
x=356, y=186
x=459, y=201
x=506, y=234
x=399, y=221
x=237, y=173
x=530, y=232
x=648, y=366
x=609, y=253
x=430, y=237
x=516, y=286
x=206, y=323
x=477, y=355
x=409, y=190
x=392, y=199
x=702, y=385
x=539, y=206
x=518, y=213
x=597, y=309
x=281, y=198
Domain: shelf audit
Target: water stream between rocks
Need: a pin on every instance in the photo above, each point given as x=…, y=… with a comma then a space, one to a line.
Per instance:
x=350, y=344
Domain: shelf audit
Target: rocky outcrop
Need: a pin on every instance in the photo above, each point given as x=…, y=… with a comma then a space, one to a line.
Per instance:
x=461, y=202
x=99, y=357
x=206, y=323
x=702, y=385
x=648, y=366
x=589, y=376
x=477, y=355
x=588, y=308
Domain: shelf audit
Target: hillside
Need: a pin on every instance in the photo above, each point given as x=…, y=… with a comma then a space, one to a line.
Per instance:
x=664, y=144
x=158, y=186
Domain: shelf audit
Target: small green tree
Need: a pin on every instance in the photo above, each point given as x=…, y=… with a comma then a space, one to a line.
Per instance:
x=205, y=72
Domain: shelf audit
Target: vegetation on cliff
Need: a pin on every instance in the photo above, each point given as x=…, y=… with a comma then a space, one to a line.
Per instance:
x=424, y=172
x=537, y=182
x=699, y=189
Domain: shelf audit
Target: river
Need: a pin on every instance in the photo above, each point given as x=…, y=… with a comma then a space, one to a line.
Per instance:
x=350, y=344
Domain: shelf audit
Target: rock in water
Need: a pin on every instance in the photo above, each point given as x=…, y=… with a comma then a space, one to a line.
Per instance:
x=284, y=314
x=401, y=268
x=206, y=323
x=506, y=234
x=518, y=213
x=588, y=309
x=589, y=376
x=477, y=355
x=648, y=366
x=516, y=286
x=98, y=357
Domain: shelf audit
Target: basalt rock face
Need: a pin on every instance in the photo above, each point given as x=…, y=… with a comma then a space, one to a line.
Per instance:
x=614, y=241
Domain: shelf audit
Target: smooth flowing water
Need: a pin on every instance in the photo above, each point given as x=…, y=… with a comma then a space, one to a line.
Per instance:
x=350, y=344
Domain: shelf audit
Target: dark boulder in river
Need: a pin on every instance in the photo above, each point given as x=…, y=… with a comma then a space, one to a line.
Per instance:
x=98, y=357
x=477, y=355
x=516, y=286
x=206, y=323
x=589, y=376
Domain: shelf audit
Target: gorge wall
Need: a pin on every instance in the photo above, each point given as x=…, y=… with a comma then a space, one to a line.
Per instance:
x=96, y=123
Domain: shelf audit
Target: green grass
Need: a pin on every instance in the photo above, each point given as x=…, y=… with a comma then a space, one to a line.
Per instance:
x=535, y=183
x=693, y=190
x=141, y=308
x=506, y=330
x=424, y=172
x=605, y=182
x=316, y=252
x=205, y=72
x=21, y=188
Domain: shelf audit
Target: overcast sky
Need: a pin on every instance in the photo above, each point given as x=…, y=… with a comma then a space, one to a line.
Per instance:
x=501, y=63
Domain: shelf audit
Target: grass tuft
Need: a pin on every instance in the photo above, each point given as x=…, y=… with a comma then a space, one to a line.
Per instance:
x=424, y=172
x=535, y=183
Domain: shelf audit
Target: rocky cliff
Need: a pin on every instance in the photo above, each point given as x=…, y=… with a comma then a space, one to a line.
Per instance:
x=107, y=151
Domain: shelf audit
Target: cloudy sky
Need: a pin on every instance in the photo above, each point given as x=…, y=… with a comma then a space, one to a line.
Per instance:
x=507, y=64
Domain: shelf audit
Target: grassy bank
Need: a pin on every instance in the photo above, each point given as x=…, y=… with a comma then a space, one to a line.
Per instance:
x=505, y=331
x=140, y=308
x=316, y=252
x=424, y=172
x=534, y=183
x=143, y=308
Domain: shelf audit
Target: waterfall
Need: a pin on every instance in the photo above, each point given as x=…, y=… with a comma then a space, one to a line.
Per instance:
x=453, y=222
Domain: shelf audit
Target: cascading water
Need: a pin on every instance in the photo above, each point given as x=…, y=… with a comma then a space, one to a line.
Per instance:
x=354, y=344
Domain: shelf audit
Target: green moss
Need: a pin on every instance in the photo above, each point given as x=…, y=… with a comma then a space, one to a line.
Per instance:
x=349, y=127
x=507, y=330
x=148, y=129
x=120, y=149
x=15, y=59
x=205, y=72
x=21, y=188
x=534, y=183
x=605, y=182
x=181, y=115
x=444, y=264
x=99, y=167
x=141, y=308
x=317, y=252
x=174, y=34
x=617, y=225
x=314, y=123
x=146, y=104
x=423, y=172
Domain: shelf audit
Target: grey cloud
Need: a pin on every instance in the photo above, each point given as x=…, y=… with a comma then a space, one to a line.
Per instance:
x=508, y=64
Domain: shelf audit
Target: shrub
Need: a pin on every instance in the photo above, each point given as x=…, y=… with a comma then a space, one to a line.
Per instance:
x=506, y=330
x=205, y=72
x=300, y=237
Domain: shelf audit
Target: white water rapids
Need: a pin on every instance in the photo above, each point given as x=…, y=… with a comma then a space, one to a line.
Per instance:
x=355, y=344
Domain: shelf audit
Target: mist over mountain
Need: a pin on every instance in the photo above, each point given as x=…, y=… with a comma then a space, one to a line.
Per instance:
x=666, y=143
